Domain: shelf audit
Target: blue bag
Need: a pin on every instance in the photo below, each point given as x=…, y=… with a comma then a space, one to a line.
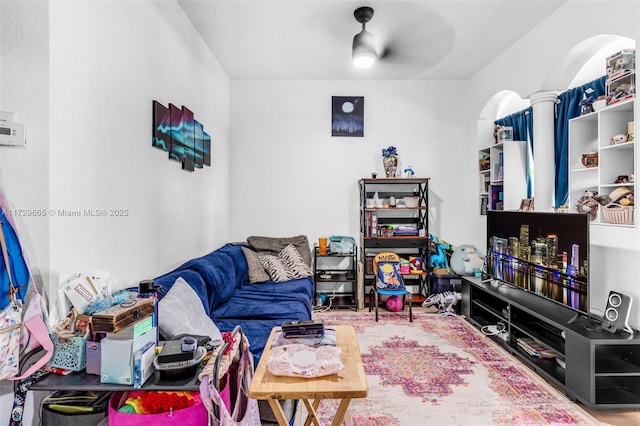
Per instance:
x=19, y=270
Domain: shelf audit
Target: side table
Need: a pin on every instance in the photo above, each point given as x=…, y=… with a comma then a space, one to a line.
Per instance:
x=349, y=383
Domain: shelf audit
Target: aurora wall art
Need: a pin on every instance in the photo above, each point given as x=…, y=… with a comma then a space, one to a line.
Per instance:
x=176, y=131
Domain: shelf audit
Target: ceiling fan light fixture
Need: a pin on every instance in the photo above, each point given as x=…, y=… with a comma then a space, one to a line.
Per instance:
x=364, y=53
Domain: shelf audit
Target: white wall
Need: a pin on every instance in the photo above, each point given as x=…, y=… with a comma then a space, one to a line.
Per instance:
x=82, y=77
x=24, y=90
x=109, y=60
x=290, y=176
x=524, y=69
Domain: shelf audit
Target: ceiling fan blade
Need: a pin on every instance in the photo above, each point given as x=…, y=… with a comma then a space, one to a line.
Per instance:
x=420, y=37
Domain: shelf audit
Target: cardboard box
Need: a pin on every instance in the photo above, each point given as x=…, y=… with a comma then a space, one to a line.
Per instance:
x=621, y=63
x=143, y=366
x=117, y=357
x=93, y=358
x=621, y=88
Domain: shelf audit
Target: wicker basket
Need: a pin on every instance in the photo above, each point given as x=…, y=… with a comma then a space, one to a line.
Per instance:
x=615, y=213
x=411, y=202
x=590, y=160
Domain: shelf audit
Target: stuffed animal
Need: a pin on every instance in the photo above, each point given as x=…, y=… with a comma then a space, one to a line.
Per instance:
x=466, y=260
x=438, y=259
x=617, y=139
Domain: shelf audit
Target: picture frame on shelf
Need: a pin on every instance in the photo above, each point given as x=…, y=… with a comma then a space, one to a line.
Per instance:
x=505, y=134
x=526, y=205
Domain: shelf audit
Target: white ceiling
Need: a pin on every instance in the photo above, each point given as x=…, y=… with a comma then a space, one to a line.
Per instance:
x=311, y=39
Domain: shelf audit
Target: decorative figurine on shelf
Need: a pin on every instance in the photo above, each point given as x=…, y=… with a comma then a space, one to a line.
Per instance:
x=496, y=129
x=589, y=204
x=408, y=172
x=390, y=161
x=587, y=105
x=618, y=139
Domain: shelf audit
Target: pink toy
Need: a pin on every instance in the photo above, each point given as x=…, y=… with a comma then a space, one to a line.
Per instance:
x=394, y=303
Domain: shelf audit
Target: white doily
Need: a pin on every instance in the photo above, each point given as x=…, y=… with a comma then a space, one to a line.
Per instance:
x=304, y=361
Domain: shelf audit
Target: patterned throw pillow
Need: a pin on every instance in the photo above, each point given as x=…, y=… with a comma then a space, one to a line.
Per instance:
x=294, y=263
x=274, y=267
x=257, y=274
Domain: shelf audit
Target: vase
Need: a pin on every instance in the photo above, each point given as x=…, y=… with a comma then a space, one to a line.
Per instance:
x=390, y=163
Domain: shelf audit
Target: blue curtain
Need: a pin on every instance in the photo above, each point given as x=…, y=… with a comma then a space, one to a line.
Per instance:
x=522, y=123
x=568, y=107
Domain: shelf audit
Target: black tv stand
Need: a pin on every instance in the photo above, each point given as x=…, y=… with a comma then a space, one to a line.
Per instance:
x=574, y=318
x=602, y=369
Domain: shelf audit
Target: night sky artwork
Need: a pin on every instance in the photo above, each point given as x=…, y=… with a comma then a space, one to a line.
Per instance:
x=176, y=131
x=347, y=116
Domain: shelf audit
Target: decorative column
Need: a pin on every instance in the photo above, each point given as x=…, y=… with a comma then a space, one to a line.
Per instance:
x=543, y=103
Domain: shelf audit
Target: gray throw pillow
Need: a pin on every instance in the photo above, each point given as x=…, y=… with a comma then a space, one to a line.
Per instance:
x=181, y=312
x=274, y=245
x=257, y=274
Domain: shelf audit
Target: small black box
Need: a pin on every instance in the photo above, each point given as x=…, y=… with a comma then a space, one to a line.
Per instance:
x=309, y=328
x=172, y=352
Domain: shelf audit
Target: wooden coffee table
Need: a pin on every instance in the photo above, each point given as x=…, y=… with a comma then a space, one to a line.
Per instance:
x=349, y=383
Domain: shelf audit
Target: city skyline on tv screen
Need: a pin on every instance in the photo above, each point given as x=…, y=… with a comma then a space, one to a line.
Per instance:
x=545, y=253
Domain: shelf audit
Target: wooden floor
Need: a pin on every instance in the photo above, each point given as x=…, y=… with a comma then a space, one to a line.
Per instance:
x=606, y=417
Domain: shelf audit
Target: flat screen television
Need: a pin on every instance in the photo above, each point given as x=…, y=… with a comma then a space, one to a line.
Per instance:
x=544, y=253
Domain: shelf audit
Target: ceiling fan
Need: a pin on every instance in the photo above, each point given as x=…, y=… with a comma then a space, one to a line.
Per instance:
x=400, y=46
x=399, y=40
x=363, y=51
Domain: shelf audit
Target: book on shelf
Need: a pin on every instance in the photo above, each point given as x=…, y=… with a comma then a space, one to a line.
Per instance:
x=374, y=224
x=536, y=348
x=562, y=362
x=370, y=224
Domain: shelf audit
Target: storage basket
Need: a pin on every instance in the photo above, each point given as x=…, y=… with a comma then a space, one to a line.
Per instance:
x=411, y=202
x=615, y=213
x=590, y=159
x=69, y=352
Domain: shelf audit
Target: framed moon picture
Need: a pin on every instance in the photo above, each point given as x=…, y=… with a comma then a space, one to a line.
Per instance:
x=347, y=116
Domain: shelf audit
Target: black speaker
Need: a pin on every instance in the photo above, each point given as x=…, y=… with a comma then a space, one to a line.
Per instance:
x=616, y=314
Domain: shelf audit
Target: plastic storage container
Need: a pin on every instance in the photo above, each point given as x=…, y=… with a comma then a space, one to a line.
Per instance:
x=441, y=282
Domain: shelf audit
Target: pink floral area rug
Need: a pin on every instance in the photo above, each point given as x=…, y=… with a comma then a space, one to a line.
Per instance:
x=442, y=371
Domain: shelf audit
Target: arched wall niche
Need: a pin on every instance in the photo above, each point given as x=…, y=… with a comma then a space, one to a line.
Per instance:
x=585, y=62
x=582, y=63
x=501, y=104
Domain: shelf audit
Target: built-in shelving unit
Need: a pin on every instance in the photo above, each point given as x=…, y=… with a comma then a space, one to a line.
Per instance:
x=590, y=137
x=502, y=176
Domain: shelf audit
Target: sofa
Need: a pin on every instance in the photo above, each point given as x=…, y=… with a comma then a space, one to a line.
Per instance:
x=221, y=279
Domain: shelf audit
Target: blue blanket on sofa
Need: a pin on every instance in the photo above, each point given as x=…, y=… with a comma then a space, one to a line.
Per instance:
x=220, y=279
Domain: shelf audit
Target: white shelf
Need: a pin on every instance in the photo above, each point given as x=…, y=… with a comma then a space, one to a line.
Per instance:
x=592, y=133
x=507, y=174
